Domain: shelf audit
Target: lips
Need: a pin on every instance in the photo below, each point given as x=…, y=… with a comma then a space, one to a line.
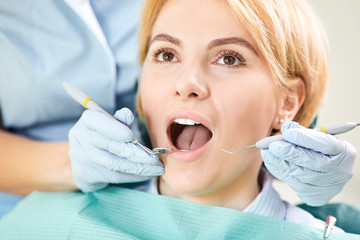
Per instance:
x=188, y=133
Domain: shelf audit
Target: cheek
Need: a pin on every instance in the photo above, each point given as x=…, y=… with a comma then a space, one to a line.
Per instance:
x=250, y=112
x=149, y=95
x=149, y=89
x=154, y=92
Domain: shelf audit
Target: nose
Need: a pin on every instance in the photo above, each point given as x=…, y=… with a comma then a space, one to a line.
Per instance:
x=191, y=84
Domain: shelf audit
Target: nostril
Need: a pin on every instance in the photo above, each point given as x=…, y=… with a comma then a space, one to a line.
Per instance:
x=190, y=95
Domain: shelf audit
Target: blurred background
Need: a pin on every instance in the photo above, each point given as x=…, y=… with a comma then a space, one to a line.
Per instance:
x=341, y=104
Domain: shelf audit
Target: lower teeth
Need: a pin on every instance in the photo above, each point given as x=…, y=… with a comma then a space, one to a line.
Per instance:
x=184, y=150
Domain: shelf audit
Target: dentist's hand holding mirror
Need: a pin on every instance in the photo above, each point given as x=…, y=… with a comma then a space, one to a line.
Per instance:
x=102, y=152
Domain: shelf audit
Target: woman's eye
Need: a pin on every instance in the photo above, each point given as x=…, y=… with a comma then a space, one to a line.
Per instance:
x=229, y=60
x=167, y=57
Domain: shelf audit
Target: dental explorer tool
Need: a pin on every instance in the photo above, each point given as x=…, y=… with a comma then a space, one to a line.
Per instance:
x=332, y=129
x=89, y=103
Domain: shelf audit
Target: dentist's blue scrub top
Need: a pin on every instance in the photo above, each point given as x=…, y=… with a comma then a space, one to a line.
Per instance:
x=42, y=39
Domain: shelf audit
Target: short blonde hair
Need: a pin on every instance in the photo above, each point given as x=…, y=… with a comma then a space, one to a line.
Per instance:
x=288, y=34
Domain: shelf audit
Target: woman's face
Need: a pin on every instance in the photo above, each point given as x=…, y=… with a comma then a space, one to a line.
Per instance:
x=205, y=87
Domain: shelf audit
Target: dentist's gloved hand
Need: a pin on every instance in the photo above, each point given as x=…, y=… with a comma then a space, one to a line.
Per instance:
x=101, y=152
x=314, y=164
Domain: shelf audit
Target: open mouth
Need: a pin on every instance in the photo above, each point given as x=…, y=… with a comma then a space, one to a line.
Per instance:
x=188, y=135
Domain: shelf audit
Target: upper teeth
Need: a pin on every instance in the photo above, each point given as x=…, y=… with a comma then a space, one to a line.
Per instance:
x=185, y=121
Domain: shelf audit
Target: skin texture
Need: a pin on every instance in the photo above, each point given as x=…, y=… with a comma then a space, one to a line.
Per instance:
x=191, y=72
x=41, y=166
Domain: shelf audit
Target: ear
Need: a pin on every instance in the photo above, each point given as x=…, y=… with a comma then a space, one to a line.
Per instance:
x=289, y=105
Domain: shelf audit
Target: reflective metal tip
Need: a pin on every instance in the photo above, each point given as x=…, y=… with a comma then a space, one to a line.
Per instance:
x=229, y=152
x=160, y=150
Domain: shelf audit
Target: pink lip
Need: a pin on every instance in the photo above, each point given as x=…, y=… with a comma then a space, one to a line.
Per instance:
x=189, y=155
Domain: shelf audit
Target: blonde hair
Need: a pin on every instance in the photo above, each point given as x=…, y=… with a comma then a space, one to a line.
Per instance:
x=287, y=33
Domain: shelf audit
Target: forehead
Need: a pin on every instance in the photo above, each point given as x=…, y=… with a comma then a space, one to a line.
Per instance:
x=199, y=20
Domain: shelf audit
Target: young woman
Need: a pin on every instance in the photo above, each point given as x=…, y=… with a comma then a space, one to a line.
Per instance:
x=223, y=75
x=215, y=75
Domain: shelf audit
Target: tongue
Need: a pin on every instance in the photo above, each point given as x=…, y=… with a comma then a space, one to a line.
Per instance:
x=193, y=137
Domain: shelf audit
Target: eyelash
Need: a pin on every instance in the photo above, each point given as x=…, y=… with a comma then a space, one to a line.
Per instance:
x=242, y=63
x=155, y=54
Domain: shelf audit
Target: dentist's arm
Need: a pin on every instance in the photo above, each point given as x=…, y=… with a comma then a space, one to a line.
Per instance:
x=101, y=152
x=314, y=164
x=27, y=165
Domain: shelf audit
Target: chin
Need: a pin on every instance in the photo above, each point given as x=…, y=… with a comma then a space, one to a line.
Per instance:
x=184, y=184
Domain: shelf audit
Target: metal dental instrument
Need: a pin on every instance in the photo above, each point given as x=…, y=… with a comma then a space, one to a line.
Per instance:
x=161, y=150
x=332, y=129
x=89, y=103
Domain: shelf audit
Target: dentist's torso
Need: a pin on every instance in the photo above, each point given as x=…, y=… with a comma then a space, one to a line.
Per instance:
x=92, y=44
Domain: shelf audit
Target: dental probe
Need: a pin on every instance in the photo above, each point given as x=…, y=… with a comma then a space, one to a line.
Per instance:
x=332, y=129
x=89, y=103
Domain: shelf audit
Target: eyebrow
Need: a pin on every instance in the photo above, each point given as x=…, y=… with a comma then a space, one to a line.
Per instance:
x=167, y=38
x=231, y=40
x=212, y=44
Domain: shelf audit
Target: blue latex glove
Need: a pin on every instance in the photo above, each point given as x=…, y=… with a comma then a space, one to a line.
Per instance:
x=101, y=152
x=314, y=164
